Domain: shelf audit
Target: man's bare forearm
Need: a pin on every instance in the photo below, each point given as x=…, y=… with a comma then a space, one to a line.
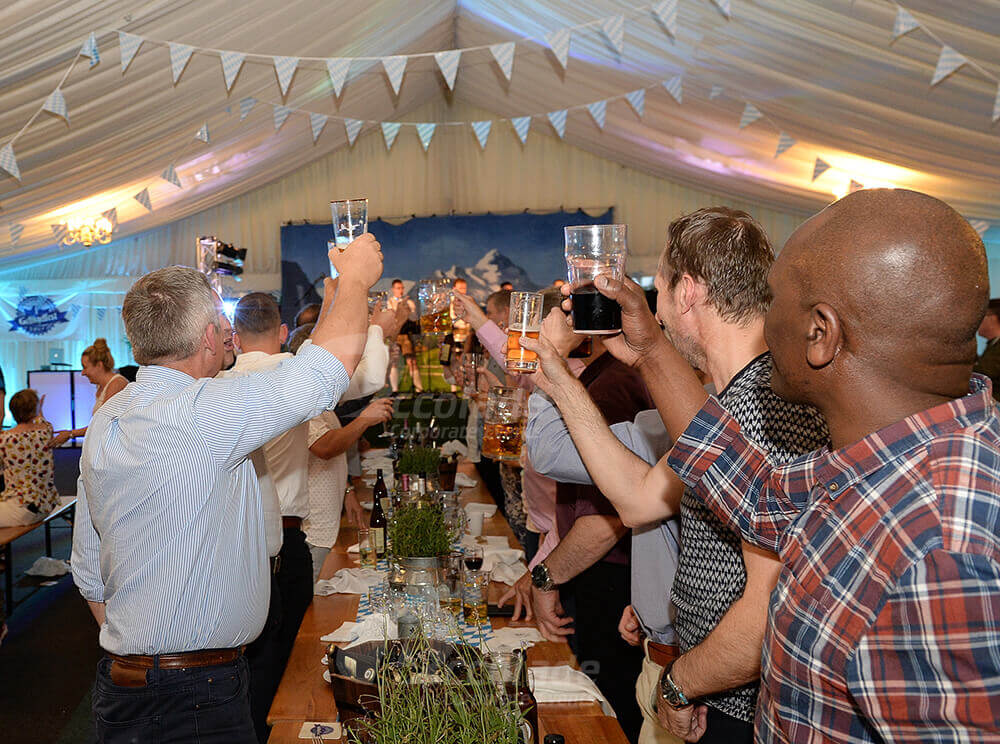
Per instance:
x=97, y=609
x=675, y=388
x=589, y=539
x=344, y=330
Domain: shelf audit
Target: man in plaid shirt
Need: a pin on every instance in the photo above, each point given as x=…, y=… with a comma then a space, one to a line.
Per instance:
x=885, y=624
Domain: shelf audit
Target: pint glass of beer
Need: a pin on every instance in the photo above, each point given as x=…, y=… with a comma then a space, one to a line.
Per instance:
x=350, y=220
x=435, y=305
x=504, y=424
x=592, y=250
x=525, y=320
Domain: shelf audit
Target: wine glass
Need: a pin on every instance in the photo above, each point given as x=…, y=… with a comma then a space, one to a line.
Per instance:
x=473, y=558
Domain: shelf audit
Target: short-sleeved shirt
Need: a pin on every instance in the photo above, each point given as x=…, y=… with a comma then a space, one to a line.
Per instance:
x=327, y=483
x=28, y=470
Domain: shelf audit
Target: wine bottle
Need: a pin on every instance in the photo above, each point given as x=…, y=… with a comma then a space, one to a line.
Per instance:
x=445, y=349
x=380, y=493
x=526, y=702
x=377, y=523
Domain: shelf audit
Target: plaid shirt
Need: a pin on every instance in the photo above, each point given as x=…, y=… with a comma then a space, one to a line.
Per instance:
x=885, y=624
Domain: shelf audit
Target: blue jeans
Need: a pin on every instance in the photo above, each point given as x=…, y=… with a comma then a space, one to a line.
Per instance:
x=207, y=705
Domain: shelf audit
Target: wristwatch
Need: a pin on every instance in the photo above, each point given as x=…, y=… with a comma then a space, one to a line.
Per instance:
x=672, y=694
x=541, y=579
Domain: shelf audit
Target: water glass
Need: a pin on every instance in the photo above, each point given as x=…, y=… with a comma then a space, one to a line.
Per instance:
x=366, y=549
x=525, y=319
x=350, y=220
x=593, y=250
x=474, y=591
x=378, y=598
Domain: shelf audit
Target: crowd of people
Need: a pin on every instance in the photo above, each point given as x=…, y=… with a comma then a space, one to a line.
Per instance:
x=767, y=510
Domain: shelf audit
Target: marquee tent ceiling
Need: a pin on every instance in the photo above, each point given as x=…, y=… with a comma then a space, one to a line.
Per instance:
x=822, y=71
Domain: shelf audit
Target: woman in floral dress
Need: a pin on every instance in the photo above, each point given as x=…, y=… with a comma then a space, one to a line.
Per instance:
x=29, y=493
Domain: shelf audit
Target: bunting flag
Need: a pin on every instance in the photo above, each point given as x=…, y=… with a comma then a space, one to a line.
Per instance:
x=15, y=232
x=179, y=56
x=56, y=104
x=614, y=31
x=246, y=106
x=353, y=127
x=521, y=125
x=904, y=23
x=280, y=114
x=482, y=131
x=599, y=111
x=750, y=114
x=8, y=162
x=170, y=176
x=59, y=231
x=203, y=133
x=143, y=198
x=558, y=121
x=996, y=107
x=558, y=41
x=819, y=168
x=448, y=62
x=948, y=62
x=101, y=313
x=89, y=49
x=675, y=87
x=504, y=56
x=316, y=123
x=666, y=13
x=854, y=186
x=725, y=7
x=980, y=226
x=337, y=69
x=128, y=45
x=785, y=143
x=111, y=216
x=390, y=129
x=425, y=130
x=394, y=69
x=284, y=68
x=717, y=90
x=637, y=99
x=232, y=63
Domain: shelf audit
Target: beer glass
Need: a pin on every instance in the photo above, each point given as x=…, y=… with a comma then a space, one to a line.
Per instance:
x=474, y=588
x=504, y=424
x=472, y=362
x=350, y=220
x=366, y=549
x=593, y=250
x=525, y=319
x=435, y=305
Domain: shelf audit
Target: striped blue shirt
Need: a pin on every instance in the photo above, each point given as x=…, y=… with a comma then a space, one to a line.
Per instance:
x=169, y=531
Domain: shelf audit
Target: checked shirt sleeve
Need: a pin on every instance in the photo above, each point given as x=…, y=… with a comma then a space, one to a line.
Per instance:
x=928, y=670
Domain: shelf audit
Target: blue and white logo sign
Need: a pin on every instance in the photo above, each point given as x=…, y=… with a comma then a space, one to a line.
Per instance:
x=37, y=316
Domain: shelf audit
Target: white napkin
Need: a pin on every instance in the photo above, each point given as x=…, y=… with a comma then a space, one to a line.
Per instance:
x=508, y=573
x=348, y=581
x=374, y=453
x=387, y=478
x=375, y=463
x=454, y=447
x=496, y=550
x=488, y=510
x=46, y=566
x=507, y=638
x=375, y=627
x=354, y=549
x=464, y=481
x=563, y=684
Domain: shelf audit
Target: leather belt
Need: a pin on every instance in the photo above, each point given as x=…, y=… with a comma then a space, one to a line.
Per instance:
x=291, y=522
x=130, y=671
x=661, y=654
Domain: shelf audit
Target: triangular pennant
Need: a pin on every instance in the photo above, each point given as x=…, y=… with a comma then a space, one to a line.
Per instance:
x=725, y=7
x=285, y=68
x=128, y=45
x=59, y=231
x=353, y=127
x=170, y=175
x=637, y=98
x=246, y=106
x=599, y=110
x=948, y=62
x=854, y=186
x=280, y=114
x=425, y=130
x=675, y=87
x=819, y=168
x=143, y=198
x=8, y=162
x=558, y=120
x=448, y=62
x=179, y=56
x=203, y=133
x=89, y=49
x=614, y=30
x=232, y=63
x=717, y=90
x=996, y=107
x=337, y=68
x=750, y=114
x=980, y=226
x=904, y=23
x=394, y=69
x=390, y=129
x=56, y=104
x=482, y=130
x=111, y=216
x=521, y=124
x=558, y=41
x=504, y=55
x=15, y=232
x=785, y=143
x=316, y=123
x=666, y=14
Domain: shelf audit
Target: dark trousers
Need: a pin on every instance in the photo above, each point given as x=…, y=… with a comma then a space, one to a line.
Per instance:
x=601, y=593
x=489, y=471
x=724, y=729
x=291, y=593
x=204, y=705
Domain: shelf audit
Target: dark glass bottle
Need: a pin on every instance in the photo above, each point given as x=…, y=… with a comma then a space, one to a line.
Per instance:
x=446, y=348
x=380, y=494
x=525, y=700
x=378, y=522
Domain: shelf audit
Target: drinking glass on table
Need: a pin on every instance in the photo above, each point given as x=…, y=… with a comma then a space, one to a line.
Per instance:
x=503, y=429
x=474, y=588
x=350, y=220
x=525, y=319
x=473, y=559
x=366, y=550
x=593, y=250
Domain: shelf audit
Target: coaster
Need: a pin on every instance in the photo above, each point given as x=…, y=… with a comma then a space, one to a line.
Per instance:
x=313, y=730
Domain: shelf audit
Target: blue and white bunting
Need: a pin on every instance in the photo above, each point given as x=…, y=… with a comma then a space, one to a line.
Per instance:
x=179, y=56
x=316, y=124
x=996, y=107
x=819, y=168
x=980, y=226
x=246, y=106
x=598, y=110
x=284, y=68
x=482, y=132
x=559, y=41
x=170, y=176
x=337, y=68
x=394, y=69
x=280, y=114
x=128, y=45
x=675, y=87
x=111, y=216
x=614, y=31
x=202, y=134
x=448, y=62
x=725, y=7
x=59, y=231
x=143, y=198
x=56, y=104
x=521, y=125
x=353, y=128
x=948, y=62
x=232, y=63
x=8, y=162
x=905, y=23
x=425, y=130
x=666, y=13
x=750, y=114
x=390, y=130
x=637, y=99
x=785, y=143
x=558, y=121
x=15, y=232
x=89, y=49
x=504, y=56
x=717, y=90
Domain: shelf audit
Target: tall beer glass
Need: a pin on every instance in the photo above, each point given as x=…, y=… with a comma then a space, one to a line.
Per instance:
x=503, y=430
x=350, y=220
x=435, y=305
x=592, y=250
x=525, y=319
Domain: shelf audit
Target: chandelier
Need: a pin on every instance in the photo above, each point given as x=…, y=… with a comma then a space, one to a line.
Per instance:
x=87, y=230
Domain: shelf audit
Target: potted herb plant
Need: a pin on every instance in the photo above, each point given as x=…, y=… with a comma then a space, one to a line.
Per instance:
x=418, y=536
x=417, y=460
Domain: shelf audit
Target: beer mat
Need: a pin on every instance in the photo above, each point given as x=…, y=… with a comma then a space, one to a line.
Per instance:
x=313, y=730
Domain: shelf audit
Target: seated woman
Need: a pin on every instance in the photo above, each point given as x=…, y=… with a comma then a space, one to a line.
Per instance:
x=29, y=493
x=99, y=368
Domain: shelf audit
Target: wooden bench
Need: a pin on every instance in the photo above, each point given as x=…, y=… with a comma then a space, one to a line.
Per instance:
x=65, y=510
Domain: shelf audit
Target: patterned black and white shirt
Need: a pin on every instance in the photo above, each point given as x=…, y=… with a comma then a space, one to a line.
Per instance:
x=710, y=572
